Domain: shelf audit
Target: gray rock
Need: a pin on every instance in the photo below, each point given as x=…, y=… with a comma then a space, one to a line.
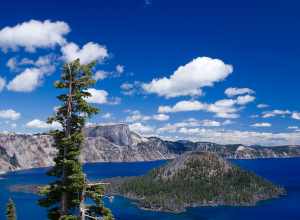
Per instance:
x=116, y=143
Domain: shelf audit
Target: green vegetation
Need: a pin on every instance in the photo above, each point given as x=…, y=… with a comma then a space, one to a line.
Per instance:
x=66, y=195
x=11, y=210
x=197, y=179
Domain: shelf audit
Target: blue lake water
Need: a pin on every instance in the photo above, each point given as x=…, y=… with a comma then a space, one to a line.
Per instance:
x=285, y=172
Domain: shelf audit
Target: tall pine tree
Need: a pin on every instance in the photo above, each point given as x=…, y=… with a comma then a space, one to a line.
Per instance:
x=11, y=210
x=64, y=196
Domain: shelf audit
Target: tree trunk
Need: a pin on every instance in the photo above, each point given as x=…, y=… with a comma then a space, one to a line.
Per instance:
x=64, y=208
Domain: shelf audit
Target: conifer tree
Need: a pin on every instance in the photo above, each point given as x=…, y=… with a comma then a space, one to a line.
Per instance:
x=64, y=195
x=11, y=210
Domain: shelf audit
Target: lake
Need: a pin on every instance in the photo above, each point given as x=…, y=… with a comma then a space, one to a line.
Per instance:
x=285, y=172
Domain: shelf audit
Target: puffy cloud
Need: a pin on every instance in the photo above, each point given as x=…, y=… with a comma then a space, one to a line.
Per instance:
x=100, y=75
x=161, y=117
x=120, y=69
x=230, y=92
x=12, y=64
x=241, y=137
x=141, y=129
x=263, y=124
x=33, y=34
x=36, y=123
x=182, y=106
x=9, y=114
x=282, y=113
x=296, y=115
x=227, y=122
x=130, y=88
x=97, y=96
x=262, y=106
x=293, y=127
x=243, y=100
x=43, y=61
x=127, y=86
x=88, y=53
x=210, y=123
x=32, y=77
x=224, y=108
x=184, y=130
x=191, y=123
x=137, y=116
x=169, y=128
x=2, y=83
x=28, y=80
x=188, y=80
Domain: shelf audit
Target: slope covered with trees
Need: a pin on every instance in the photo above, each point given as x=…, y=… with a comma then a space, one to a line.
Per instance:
x=195, y=179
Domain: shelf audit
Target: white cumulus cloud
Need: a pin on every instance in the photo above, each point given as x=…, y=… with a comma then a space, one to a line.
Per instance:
x=224, y=108
x=137, y=116
x=262, y=124
x=12, y=64
x=273, y=113
x=188, y=80
x=120, y=69
x=33, y=34
x=210, y=123
x=230, y=92
x=141, y=129
x=182, y=106
x=293, y=127
x=32, y=77
x=9, y=114
x=39, y=124
x=100, y=75
x=262, y=106
x=88, y=53
x=296, y=115
x=243, y=100
x=97, y=96
x=26, y=81
x=161, y=117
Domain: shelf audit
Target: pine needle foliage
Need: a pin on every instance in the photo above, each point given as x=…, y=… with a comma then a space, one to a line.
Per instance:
x=11, y=210
x=64, y=196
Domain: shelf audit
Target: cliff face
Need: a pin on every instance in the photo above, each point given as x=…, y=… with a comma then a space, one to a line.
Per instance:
x=116, y=143
x=25, y=151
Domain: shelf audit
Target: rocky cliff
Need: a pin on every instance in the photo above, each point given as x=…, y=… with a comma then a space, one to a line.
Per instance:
x=116, y=143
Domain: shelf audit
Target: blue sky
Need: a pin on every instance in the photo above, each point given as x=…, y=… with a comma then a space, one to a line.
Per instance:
x=210, y=71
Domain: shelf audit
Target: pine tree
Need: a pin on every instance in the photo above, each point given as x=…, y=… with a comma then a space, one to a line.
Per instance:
x=63, y=196
x=11, y=210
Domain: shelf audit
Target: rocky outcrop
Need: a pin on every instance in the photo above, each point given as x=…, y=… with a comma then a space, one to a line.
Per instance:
x=116, y=143
x=20, y=151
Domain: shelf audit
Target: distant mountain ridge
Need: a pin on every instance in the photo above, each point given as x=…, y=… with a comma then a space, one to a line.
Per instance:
x=116, y=143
